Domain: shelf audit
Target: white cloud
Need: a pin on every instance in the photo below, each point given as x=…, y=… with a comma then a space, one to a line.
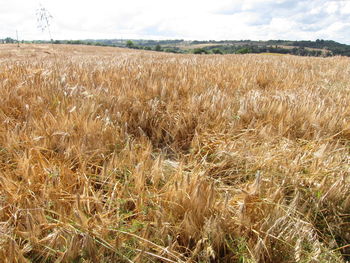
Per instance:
x=332, y=7
x=206, y=19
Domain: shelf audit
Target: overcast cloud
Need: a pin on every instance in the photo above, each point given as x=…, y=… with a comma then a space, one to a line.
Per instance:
x=181, y=19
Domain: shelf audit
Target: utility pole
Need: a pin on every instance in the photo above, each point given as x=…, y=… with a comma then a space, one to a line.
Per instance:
x=17, y=38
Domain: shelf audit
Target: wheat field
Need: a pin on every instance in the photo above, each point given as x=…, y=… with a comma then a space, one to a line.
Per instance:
x=116, y=155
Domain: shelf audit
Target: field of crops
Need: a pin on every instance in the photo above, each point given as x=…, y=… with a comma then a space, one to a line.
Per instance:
x=116, y=155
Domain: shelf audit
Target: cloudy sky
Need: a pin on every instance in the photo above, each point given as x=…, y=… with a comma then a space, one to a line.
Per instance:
x=180, y=19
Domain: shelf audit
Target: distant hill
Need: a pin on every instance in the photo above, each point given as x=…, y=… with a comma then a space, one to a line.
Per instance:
x=318, y=48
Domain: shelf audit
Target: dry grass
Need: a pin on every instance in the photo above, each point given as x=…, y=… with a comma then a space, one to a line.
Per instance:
x=110, y=155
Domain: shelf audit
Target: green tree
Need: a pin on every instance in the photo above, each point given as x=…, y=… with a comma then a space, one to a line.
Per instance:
x=130, y=44
x=158, y=48
x=170, y=50
x=9, y=40
x=199, y=51
x=217, y=51
x=244, y=50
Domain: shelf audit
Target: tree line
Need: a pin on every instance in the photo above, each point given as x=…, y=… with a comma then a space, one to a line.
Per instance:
x=316, y=48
